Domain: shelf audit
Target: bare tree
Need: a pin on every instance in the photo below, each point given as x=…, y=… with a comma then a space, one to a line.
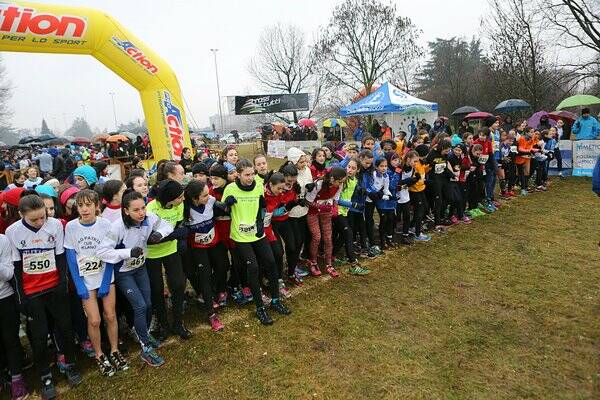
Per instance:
x=283, y=64
x=577, y=26
x=519, y=55
x=366, y=41
x=5, y=94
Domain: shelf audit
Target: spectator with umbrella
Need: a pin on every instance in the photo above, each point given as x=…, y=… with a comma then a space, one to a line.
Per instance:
x=464, y=128
x=508, y=123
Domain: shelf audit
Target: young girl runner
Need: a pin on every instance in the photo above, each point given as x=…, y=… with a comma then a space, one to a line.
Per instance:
x=18, y=181
x=33, y=178
x=112, y=193
x=125, y=246
x=246, y=200
x=262, y=168
x=40, y=272
x=93, y=278
x=9, y=324
x=341, y=224
x=317, y=167
x=169, y=207
x=523, y=159
x=380, y=190
x=85, y=177
x=407, y=179
x=322, y=200
x=417, y=191
x=209, y=255
x=140, y=185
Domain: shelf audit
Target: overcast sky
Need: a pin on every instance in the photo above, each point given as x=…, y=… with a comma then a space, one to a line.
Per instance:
x=55, y=87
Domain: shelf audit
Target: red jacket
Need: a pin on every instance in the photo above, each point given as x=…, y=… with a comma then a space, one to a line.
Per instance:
x=488, y=148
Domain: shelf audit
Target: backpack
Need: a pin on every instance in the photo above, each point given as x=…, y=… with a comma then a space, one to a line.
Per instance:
x=596, y=178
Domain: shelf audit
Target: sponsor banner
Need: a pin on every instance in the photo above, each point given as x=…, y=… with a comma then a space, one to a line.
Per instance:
x=173, y=122
x=585, y=154
x=135, y=54
x=566, y=151
x=270, y=103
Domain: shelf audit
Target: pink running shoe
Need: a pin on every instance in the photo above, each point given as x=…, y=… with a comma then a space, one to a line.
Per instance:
x=222, y=299
x=465, y=220
x=247, y=293
x=314, y=270
x=285, y=292
x=332, y=272
x=88, y=349
x=215, y=324
x=454, y=220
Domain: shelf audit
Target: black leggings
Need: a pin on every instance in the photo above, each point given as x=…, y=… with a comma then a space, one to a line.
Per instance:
x=419, y=203
x=457, y=200
x=10, y=347
x=523, y=179
x=370, y=222
x=208, y=271
x=300, y=228
x=342, y=234
x=288, y=232
x=403, y=213
x=357, y=224
x=175, y=281
x=56, y=304
x=438, y=187
x=386, y=225
x=250, y=253
x=277, y=249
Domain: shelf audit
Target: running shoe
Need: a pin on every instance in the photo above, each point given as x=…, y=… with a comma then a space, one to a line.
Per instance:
x=331, y=271
x=284, y=292
x=215, y=324
x=215, y=305
x=338, y=262
x=118, y=361
x=88, y=349
x=61, y=363
x=152, y=342
x=356, y=269
x=490, y=208
x=454, y=220
x=18, y=389
x=73, y=375
x=247, y=294
x=496, y=204
x=301, y=271
x=150, y=357
x=238, y=297
x=263, y=316
x=295, y=280
x=222, y=299
x=376, y=250
x=105, y=367
x=465, y=220
x=182, y=331
x=314, y=270
x=48, y=390
x=422, y=238
x=279, y=307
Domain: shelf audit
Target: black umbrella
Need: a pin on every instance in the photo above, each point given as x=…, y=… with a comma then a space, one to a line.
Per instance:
x=44, y=138
x=512, y=105
x=27, y=139
x=464, y=110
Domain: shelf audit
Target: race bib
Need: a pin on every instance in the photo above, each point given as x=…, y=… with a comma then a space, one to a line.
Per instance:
x=205, y=238
x=88, y=265
x=247, y=229
x=483, y=159
x=439, y=168
x=513, y=149
x=39, y=263
x=267, y=220
x=135, y=262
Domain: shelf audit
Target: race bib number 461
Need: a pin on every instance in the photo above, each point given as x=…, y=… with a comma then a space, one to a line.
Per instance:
x=39, y=263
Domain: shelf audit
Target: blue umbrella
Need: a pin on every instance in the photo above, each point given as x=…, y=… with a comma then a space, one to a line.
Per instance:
x=512, y=105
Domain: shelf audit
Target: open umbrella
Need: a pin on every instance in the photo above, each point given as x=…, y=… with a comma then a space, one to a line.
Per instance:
x=534, y=120
x=306, y=122
x=511, y=105
x=81, y=141
x=578, y=101
x=27, y=139
x=333, y=122
x=129, y=135
x=556, y=115
x=100, y=137
x=116, y=138
x=464, y=110
x=479, y=115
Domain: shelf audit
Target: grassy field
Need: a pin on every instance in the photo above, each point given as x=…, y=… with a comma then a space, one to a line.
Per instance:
x=505, y=308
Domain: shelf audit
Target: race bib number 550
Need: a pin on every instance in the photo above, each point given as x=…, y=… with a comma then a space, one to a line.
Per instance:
x=39, y=263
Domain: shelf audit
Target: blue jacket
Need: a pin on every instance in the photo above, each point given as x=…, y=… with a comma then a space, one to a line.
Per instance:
x=596, y=178
x=586, y=128
x=358, y=134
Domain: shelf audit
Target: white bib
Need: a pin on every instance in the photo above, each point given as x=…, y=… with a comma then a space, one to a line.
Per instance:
x=483, y=159
x=205, y=238
x=89, y=265
x=135, y=262
x=247, y=229
x=39, y=263
x=439, y=168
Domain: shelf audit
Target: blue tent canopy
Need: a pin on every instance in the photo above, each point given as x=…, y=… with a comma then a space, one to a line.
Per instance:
x=388, y=99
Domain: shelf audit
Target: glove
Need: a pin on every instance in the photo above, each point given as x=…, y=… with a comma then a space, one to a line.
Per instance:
x=297, y=188
x=302, y=203
x=309, y=187
x=83, y=294
x=417, y=176
x=279, y=211
x=385, y=197
x=103, y=291
x=374, y=195
x=154, y=237
x=291, y=204
x=230, y=200
x=138, y=251
x=260, y=228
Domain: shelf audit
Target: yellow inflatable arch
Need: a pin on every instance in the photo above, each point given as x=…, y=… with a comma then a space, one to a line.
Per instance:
x=42, y=28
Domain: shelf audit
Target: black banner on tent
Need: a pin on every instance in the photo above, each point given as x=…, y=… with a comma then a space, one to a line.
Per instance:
x=270, y=103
